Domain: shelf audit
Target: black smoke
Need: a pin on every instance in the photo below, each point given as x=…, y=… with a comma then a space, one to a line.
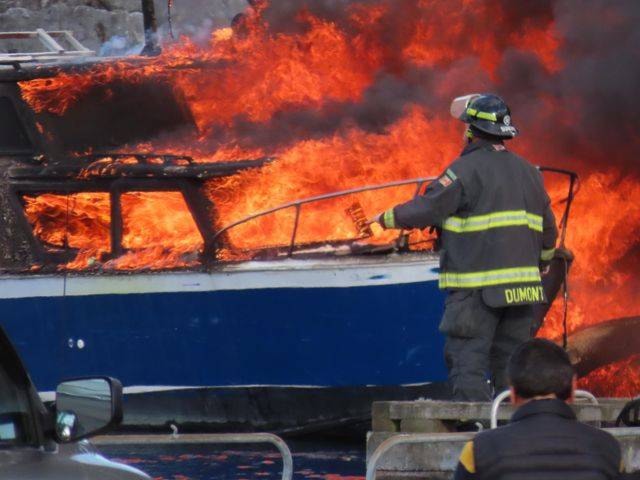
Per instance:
x=583, y=114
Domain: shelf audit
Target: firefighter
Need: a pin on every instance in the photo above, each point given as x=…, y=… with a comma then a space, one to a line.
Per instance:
x=497, y=234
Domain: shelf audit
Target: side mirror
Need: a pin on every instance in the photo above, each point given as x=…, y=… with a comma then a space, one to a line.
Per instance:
x=86, y=407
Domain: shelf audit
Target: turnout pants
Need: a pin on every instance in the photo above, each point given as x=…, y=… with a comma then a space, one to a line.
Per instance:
x=479, y=340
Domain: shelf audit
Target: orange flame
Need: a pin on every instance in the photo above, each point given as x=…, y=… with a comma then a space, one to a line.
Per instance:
x=154, y=237
x=255, y=75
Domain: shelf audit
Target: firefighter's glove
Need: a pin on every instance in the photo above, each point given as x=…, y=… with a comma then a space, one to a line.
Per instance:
x=385, y=219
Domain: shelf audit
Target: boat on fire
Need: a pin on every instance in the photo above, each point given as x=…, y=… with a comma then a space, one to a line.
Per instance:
x=295, y=336
x=289, y=336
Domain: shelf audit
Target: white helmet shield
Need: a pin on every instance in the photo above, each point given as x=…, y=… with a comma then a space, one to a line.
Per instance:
x=460, y=104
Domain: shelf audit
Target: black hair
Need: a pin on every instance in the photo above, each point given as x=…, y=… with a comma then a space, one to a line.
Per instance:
x=539, y=367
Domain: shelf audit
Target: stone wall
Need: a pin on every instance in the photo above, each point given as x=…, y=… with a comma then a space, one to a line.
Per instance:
x=112, y=26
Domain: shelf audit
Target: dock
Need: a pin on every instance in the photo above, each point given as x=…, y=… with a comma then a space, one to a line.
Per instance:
x=419, y=441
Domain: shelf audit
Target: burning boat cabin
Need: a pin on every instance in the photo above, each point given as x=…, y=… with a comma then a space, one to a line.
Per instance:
x=294, y=324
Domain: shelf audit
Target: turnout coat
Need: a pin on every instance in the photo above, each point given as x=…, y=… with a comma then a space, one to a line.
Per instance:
x=495, y=223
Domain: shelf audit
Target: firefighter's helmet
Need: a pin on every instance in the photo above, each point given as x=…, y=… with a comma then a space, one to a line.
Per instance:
x=486, y=112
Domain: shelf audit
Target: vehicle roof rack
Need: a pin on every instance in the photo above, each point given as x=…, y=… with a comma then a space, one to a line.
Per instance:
x=53, y=50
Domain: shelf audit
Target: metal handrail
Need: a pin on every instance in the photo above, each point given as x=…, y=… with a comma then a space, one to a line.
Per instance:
x=419, y=182
x=403, y=439
x=177, y=439
x=574, y=183
x=496, y=405
x=413, y=438
x=297, y=204
x=504, y=395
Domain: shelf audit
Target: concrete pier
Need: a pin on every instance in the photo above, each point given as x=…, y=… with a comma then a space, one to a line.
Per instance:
x=430, y=424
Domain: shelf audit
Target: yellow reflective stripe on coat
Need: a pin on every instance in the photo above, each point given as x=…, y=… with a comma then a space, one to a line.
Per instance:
x=547, y=255
x=467, y=459
x=489, y=278
x=508, y=218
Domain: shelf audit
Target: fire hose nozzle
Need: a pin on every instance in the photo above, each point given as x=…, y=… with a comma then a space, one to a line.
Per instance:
x=359, y=219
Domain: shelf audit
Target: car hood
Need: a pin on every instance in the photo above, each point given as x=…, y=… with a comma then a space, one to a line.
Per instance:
x=67, y=462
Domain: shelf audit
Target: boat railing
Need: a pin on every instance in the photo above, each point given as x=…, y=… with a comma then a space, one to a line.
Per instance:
x=297, y=206
x=418, y=182
x=208, y=438
x=574, y=186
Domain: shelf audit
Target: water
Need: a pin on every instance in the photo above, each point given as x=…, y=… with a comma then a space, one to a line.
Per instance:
x=311, y=460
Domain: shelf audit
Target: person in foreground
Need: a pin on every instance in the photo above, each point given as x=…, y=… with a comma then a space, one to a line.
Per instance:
x=544, y=439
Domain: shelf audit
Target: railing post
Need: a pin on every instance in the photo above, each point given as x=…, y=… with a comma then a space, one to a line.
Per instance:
x=496, y=405
x=295, y=230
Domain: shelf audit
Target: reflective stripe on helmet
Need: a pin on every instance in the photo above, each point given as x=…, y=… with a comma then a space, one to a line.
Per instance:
x=478, y=223
x=482, y=115
x=490, y=278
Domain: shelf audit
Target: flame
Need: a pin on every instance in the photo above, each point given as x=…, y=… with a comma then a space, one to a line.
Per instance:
x=153, y=238
x=346, y=160
x=603, y=235
x=249, y=78
x=625, y=374
x=81, y=221
x=604, y=280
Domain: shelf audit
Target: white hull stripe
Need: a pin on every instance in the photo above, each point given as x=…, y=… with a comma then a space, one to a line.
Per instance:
x=246, y=276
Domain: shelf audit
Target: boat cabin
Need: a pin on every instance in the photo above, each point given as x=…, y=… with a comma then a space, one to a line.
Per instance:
x=68, y=182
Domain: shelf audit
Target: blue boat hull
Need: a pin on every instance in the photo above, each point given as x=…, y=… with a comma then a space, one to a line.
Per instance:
x=330, y=337
x=369, y=329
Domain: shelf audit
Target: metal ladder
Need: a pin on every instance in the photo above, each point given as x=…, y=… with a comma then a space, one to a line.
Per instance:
x=50, y=40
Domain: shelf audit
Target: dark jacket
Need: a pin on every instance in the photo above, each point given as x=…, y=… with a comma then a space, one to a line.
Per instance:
x=495, y=220
x=544, y=441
